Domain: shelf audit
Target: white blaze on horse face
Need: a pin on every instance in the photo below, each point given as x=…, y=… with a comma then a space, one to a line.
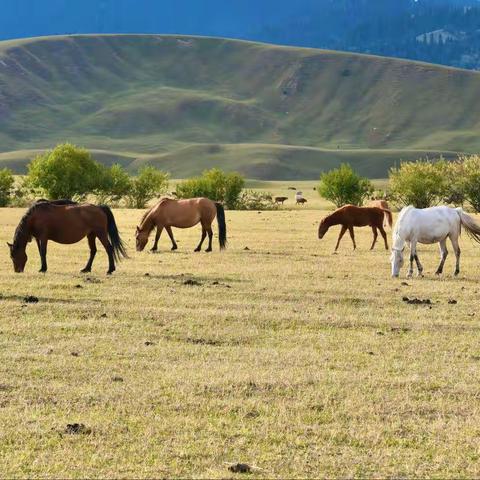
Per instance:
x=397, y=262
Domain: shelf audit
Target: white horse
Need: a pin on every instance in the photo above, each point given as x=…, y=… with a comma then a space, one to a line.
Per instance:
x=430, y=225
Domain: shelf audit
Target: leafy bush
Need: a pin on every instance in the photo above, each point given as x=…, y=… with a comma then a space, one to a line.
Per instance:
x=65, y=172
x=149, y=184
x=422, y=184
x=468, y=173
x=343, y=186
x=215, y=185
x=6, y=186
x=116, y=185
x=252, y=200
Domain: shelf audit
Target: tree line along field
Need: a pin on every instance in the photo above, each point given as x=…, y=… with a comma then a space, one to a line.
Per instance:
x=275, y=353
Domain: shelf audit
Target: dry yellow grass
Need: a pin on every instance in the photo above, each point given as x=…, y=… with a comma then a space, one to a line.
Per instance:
x=284, y=356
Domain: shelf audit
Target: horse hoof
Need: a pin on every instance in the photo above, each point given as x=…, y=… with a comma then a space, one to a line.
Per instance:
x=153, y=249
x=208, y=250
x=197, y=250
x=174, y=248
x=85, y=270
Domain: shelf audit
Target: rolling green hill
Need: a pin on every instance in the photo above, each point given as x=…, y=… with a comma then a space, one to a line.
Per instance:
x=188, y=103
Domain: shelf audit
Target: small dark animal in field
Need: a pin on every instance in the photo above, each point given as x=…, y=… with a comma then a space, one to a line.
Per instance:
x=168, y=213
x=66, y=222
x=291, y=188
x=350, y=216
x=280, y=200
x=301, y=201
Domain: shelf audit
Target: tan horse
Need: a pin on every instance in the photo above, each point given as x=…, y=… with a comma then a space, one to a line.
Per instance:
x=170, y=213
x=383, y=204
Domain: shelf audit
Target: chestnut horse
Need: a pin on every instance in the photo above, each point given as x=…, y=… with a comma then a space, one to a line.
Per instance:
x=350, y=216
x=66, y=222
x=170, y=213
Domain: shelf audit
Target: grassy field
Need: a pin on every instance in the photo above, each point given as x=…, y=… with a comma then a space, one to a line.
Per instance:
x=275, y=353
x=187, y=103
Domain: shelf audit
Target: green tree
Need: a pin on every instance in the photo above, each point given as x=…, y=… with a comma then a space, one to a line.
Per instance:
x=6, y=186
x=116, y=185
x=215, y=185
x=66, y=171
x=343, y=186
x=470, y=180
x=149, y=184
x=422, y=183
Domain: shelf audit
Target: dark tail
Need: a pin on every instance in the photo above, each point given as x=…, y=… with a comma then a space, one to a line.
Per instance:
x=222, y=226
x=389, y=216
x=119, y=250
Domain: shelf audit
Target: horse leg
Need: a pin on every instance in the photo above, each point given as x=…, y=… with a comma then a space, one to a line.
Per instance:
x=443, y=256
x=93, y=251
x=157, y=238
x=210, y=237
x=384, y=235
x=103, y=237
x=352, y=236
x=42, y=250
x=342, y=233
x=204, y=235
x=375, y=235
x=414, y=256
x=170, y=234
x=456, y=249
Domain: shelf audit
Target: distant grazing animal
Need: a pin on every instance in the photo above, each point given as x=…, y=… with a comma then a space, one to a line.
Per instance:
x=66, y=222
x=280, y=199
x=301, y=201
x=350, y=216
x=430, y=225
x=382, y=204
x=291, y=188
x=168, y=213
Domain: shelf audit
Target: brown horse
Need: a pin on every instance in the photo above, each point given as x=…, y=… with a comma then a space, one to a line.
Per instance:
x=66, y=222
x=350, y=216
x=170, y=213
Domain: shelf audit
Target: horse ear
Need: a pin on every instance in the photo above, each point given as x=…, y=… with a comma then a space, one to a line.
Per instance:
x=138, y=229
x=10, y=246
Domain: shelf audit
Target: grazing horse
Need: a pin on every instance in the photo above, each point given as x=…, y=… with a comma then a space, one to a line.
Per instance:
x=66, y=222
x=350, y=216
x=382, y=204
x=170, y=213
x=280, y=200
x=430, y=225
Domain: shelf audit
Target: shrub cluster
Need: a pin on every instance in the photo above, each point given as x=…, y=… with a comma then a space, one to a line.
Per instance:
x=343, y=186
x=425, y=183
x=71, y=172
x=215, y=185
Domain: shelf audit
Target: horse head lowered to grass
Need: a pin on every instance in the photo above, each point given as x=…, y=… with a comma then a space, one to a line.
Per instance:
x=430, y=225
x=350, y=216
x=168, y=213
x=66, y=222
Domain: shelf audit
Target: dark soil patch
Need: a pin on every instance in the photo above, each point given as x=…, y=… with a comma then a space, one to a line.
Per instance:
x=417, y=301
x=30, y=299
x=240, y=468
x=77, y=429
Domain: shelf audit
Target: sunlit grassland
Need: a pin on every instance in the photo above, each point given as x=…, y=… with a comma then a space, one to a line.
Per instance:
x=283, y=356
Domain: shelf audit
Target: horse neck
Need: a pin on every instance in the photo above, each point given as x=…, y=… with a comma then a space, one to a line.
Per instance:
x=22, y=235
x=148, y=222
x=332, y=219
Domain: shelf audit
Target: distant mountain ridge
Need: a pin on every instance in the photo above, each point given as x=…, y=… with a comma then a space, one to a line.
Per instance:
x=189, y=103
x=383, y=27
